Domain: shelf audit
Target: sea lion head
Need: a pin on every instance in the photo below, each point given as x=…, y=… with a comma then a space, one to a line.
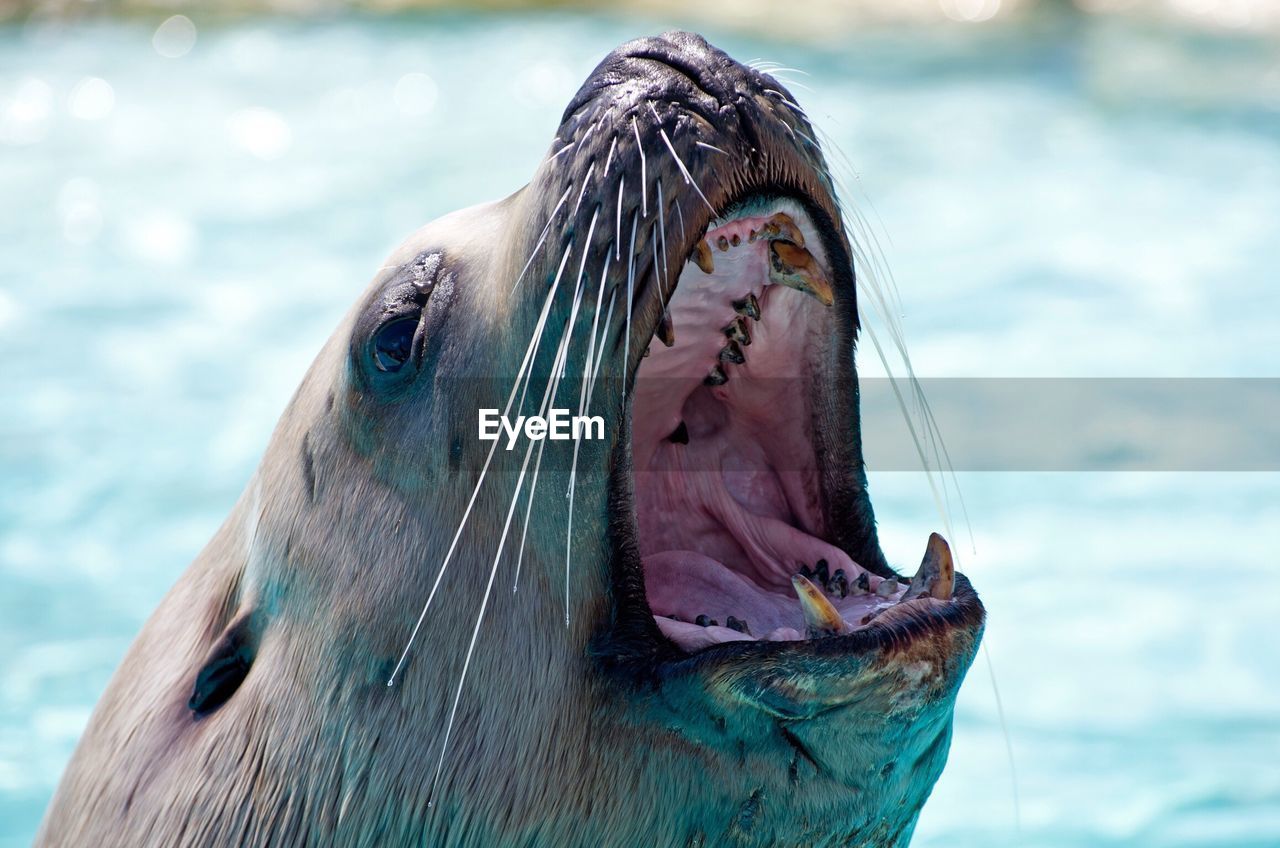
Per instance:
x=680, y=631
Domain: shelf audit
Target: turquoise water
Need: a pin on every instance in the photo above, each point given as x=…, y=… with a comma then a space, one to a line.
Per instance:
x=180, y=234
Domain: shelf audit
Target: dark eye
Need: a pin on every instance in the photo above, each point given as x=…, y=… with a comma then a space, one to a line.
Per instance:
x=393, y=344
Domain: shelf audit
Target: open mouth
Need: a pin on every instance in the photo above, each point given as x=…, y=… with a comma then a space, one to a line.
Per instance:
x=731, y=454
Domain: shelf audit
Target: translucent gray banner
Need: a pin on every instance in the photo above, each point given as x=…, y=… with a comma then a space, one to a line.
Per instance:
x=989, y=424
x=1078, y=424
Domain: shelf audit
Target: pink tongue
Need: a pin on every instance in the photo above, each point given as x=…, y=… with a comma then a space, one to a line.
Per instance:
x=687, y=584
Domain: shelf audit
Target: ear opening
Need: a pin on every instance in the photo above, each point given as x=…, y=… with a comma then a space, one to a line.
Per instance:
x=226, y=665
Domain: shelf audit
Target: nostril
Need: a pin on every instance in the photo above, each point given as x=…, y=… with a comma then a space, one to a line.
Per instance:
x=677, y=67
x=689, y=54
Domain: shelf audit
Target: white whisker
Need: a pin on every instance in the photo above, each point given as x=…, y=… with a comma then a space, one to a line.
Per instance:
x=782, y=70
x=662, y=236
x=688, y=178
x=583, y=400
x=556, y=155
x=591, y=350
x=587, y=133
x=644, y=178
x=475, y=633
x=792, y=83
x=524, y=534
x=608, y=160
x=631, y=280
x=586, y=181
x=529, y=355
x=543, y=237
x=617, y=224
x=542, y=322
x=595, y=371
x=788, y=101
x=548, y=396
x=564, y=357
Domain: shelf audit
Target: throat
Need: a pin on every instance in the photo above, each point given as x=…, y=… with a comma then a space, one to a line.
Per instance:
x=727, y=478
x=740, y=490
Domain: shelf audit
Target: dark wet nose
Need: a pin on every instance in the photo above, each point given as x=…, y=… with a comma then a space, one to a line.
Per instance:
x=688, y=53
x=675, y=65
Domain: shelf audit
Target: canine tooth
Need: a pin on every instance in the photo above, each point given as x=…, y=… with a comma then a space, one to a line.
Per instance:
x=722, y=243
x=716, y=377
x=887, y=587
x=821, y=618
x=737, y=330
x=795, y=268
x=666, y=329
x=701, y=257
x=936, y=576
x=732, y=353
x=734, y=623
x=780, y=226
x=748, y=306
x=862, y=585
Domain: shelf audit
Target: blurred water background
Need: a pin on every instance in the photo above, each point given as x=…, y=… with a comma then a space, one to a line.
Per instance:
x=188, y=208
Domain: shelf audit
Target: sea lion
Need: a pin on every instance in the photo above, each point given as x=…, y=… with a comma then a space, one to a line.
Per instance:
x=683, y=633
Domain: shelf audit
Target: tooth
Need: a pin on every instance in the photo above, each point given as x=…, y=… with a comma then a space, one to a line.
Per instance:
x=748, y=306
x=781, y=226
x=936, y=576
x=820, y=616
x=701, y=257
x=737, y=331
x=722, y=243
x=822, y=572
x=705, y=620
x=769, y=230
x=862, y=584
x=751, y=236
x=887, y=587
x=840, y=583
x=667, y=329
x=716, y=377
x=795, y=268
x=732, y=353
x=734, y=623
